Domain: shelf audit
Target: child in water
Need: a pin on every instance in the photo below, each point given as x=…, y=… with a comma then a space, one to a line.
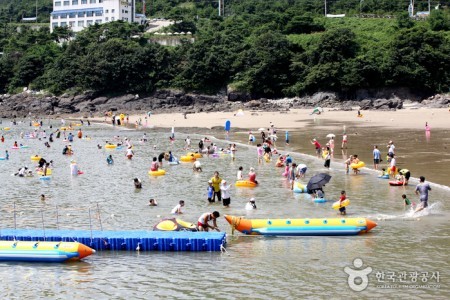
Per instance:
x=407, y=202
x=341, y=199
x=210, y=192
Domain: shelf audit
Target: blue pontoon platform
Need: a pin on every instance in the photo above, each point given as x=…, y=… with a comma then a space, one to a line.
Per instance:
x=125, y=240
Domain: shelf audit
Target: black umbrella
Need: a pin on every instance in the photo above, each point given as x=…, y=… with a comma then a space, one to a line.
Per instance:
x=318, y=181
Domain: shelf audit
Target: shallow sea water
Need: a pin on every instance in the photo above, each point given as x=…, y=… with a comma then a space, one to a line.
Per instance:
x=252, y=267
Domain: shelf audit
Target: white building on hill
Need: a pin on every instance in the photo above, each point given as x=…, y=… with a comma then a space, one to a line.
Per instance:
x=79, y=14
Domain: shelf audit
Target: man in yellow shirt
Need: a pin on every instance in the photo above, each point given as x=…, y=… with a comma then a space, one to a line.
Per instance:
x=216, y=181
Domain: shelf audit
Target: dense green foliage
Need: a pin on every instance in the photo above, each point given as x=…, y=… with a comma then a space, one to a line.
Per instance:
x=265, y=48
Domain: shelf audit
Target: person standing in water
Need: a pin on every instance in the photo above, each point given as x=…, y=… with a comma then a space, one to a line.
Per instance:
x=422, y=190
x=344, y=141
x=376, y=157
x=216, y=181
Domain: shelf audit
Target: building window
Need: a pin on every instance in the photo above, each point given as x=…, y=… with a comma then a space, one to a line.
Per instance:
x=72, y=15
x=98, y=21
x=63, y=16
x=106, y=19
x=63, y=24
x=90, y=22
x=58, y=3
x=113, y=10
x=54, y=17
x=74, y=2
x=123, y=11
x=100, y=1
x=54, y=24
x=113, y=19
x=92, y=1
x=80, y=14
x=80, y=23
x=106, y=11
x=72, y=24
x=89, y=13
x=83, y=1
x=99, y=13
x=66, y=3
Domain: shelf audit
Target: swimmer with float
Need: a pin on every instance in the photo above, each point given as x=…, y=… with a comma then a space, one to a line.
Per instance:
x=342, y=209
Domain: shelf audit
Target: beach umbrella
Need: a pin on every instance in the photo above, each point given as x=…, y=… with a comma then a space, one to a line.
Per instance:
x=240, y=113
x=261, y=129
x=273, y=137
x=331, y=135
x=318, y=181
x=173, y=132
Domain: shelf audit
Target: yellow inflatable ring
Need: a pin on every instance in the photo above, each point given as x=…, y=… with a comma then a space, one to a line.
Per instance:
x=245, y=183
x=110, y=146
x=196, y=155
x=160, y=172
x=358, y=165
x=36, y=124
x=49, y=172
x=187, y=158
x=336, y=204
x=6, y=128
x=35, y=158
x=389, y=171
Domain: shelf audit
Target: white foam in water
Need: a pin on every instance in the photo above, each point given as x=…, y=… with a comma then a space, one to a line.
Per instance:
x=410, y=215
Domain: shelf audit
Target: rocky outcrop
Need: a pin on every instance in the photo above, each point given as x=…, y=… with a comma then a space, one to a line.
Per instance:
x=437, y=101
x=23, y=104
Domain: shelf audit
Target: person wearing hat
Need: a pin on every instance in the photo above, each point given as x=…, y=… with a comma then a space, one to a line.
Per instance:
x=252, y=175
x=317, y=146
x=250, y=204
x=225, y=190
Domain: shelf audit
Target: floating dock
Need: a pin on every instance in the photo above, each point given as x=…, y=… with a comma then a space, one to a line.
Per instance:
x=124, y=240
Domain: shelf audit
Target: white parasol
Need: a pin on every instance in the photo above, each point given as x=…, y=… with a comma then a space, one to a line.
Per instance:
x=331, y=135
x=239, y=113
x=261, y=129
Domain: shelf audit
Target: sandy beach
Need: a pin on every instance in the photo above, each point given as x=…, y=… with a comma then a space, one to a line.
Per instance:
x=408, y=118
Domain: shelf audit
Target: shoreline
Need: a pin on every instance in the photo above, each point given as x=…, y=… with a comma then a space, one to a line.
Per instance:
x=239, y=135
x=407, y=118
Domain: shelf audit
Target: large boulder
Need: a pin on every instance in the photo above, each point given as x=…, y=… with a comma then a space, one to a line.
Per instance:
x=365, y=104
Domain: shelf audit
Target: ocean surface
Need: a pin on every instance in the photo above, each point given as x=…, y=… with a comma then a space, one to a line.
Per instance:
x=406, y=253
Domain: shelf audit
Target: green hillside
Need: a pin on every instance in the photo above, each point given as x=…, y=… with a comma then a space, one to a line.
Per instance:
x=263, y=48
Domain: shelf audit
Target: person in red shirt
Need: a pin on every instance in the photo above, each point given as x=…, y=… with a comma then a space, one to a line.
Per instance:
x=317, y=146
x=341, y=199
x=252, y=176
